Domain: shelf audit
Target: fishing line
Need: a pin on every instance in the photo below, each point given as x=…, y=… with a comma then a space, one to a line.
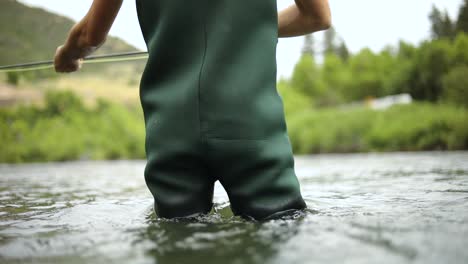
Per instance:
x=43, y=65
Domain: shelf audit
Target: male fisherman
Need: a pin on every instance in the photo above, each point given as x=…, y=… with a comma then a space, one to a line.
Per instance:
x=212, y=111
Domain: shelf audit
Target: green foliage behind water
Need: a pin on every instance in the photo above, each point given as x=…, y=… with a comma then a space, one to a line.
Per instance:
x=416, y=127
x=435, y=71
x=64, y=129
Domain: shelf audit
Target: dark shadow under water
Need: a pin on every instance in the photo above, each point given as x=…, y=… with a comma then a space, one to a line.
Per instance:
x=218, y=237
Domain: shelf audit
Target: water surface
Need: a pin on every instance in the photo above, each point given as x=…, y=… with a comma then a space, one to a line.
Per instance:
x=365, y=208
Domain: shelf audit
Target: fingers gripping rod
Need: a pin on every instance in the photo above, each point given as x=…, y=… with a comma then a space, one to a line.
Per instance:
x=41, y=65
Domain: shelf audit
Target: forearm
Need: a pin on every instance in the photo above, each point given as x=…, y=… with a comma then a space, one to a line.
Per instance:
x=91, y=32
x=305, y=17
x=77, y=45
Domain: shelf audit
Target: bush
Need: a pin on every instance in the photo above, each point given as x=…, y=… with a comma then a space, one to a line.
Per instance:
x=325, y=131
x=13, y=78
x=66, y=130
x=455, y=85
x=59, y=132
x=401, y=128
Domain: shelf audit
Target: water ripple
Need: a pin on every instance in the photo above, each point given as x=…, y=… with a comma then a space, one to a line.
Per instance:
x=363, y=208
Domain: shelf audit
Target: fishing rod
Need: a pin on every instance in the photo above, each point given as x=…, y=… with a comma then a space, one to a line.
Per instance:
x=42, y=65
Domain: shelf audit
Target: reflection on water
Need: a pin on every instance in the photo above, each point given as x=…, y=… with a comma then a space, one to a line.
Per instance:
x=215, y=239
x=376, y=208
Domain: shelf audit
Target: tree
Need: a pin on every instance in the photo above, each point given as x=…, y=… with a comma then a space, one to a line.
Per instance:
x=342, y=51
x=372, y=74
x=448, y=26
x=329, y=41
x=309, y=45
x=293, y=100
x=442, y=25
x=432, y=61
x=336, y=77
x=455, y=86
x=460, y=50
x=333, y=44
x=399, y=72
x=406, y=50
x=462, y=21
x=306, y=78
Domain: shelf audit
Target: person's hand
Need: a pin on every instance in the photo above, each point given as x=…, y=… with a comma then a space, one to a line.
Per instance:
x=64, y=62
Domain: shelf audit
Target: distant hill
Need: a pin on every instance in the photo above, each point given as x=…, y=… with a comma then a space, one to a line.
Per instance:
x=32, y=34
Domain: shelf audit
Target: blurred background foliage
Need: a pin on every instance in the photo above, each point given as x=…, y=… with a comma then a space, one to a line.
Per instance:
x=96, y=114
x=65, y=129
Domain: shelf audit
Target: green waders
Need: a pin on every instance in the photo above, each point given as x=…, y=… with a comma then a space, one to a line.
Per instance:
x=212, y=111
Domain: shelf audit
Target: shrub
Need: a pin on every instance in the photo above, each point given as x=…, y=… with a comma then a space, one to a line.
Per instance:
x=66, y=130
x=416, y=127
x=455, y=86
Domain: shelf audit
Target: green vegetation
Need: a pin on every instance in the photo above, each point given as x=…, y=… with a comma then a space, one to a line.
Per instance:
x=64, y=129
x=415, y=127
x=427, y=72
x=455, y=86
x=324, y=102
x=323, y=99
x=461, y=24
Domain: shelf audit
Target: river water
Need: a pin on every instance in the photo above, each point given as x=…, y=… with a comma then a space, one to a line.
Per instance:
x=363, y=208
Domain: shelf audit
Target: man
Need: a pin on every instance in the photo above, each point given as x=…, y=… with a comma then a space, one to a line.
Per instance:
x=209, y=97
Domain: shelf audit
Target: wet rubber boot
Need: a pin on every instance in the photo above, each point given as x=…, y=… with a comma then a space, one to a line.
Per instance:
x=211, y=107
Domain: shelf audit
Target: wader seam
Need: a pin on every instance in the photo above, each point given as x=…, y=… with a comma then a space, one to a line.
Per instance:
x=200, y=121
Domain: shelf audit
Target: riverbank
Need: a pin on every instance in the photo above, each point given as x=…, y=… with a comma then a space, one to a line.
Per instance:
x=66, y=129
x=415, y=127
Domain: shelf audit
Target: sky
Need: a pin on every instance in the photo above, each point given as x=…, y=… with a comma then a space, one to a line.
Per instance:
x=361, y=23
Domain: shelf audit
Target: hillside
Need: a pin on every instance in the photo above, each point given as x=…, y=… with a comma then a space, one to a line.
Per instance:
x=31, y=34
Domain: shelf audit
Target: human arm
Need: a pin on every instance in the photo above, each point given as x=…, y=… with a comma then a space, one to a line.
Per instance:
x=304, y=17
x=87, y=35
